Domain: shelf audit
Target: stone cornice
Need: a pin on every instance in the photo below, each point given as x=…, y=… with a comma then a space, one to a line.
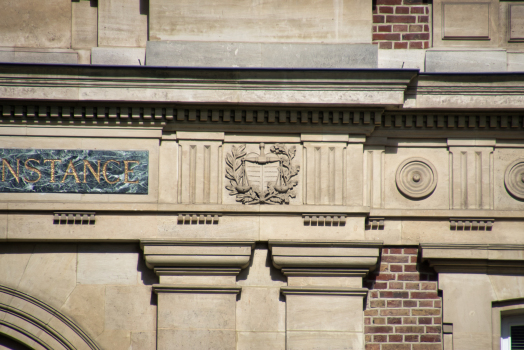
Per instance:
x=475, y=258
x=209, y=85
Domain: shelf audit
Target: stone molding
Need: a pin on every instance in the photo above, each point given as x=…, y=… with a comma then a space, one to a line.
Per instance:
x=475, y=258
x=179, y=288
x=313, y=290
x=197, y=253
x=471, y=224
x=302, y=254
x=23, y=324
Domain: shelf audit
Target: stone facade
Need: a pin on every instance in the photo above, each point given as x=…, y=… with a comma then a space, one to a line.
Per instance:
x=232, y=175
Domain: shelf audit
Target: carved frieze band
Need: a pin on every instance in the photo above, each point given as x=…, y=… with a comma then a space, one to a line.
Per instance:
x=416, y=178
x=260, y=178
x=168, y=114
x=514, y=179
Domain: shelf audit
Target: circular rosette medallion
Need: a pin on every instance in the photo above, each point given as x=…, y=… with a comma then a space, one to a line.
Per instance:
x=514, y=179
x=416, y=178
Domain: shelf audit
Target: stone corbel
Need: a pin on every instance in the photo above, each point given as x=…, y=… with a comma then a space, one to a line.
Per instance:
x=197, y=290
x=324, y=287
x=170, y=258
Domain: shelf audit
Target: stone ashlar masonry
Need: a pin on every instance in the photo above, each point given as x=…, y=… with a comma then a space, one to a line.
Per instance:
x=404, y=309
x=401, y=24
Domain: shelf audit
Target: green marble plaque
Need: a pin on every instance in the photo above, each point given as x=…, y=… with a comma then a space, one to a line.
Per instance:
x=74, y=171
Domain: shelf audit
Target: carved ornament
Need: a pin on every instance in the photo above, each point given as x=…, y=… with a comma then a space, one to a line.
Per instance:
x=416, y=178
x=262, y=178
x=514, y=179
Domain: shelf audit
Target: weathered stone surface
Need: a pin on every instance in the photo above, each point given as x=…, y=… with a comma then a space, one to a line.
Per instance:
x=86, y=306
x=118, y=56
x=238, y=54
x=107, y=264
x=466, y=61
x=347, y=21
x=50, y=273
x=26, y=23
x=129, y=308
x=122, y=23
x=48, y=56
x=84, y=25
x=402, y=59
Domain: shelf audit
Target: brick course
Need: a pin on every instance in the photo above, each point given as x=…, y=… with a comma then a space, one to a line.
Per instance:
x=404, y=309
x=406, y=22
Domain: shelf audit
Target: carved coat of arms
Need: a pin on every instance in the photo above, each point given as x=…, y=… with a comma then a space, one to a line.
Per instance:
x=262, y=178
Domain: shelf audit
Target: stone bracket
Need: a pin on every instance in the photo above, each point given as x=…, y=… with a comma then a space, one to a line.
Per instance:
x=198, y=219
x=324, y=220
x=465, y=224
x=73, y=218
x=374, y=223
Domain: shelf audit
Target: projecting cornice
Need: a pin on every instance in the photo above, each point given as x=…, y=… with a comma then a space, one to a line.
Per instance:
x=205, y=85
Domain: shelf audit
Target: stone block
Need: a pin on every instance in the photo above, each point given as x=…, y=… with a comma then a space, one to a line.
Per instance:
x=107, y=264
x=84, y=25
x=261, y=340
x=86, y=306
x=186, y=311
x=114, y=340
x=260, y=309
x=16, y=256
x=402, y=59
x=318, y=340
x=50, y=56
x=122, y=23
x=118, y=56
x=261, y=271
x=50, y=273
x=466, y=61
x=143, y=341
x=346, y=21
x=190, y=339
x=515, y=62
x=324, y=313
x=129, y=308
x=28, y=23
x=281, y=55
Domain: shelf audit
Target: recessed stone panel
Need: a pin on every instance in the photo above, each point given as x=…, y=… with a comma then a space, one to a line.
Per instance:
x=465, y=20
x=516, y=23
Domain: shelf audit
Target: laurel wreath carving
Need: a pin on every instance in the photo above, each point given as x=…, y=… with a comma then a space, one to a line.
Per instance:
x=278, y=192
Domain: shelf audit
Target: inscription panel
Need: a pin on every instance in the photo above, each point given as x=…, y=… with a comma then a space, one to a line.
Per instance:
x=74, y=171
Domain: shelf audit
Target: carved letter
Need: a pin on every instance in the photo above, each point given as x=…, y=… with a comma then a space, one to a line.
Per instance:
x=30, y=168
x=127, y=171
x=16, y=175
x=53, y=161
x=71, y=171
x=95, y=174
x=104, y=171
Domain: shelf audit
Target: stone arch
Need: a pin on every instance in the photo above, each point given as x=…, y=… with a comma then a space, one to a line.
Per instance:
x=37, y=325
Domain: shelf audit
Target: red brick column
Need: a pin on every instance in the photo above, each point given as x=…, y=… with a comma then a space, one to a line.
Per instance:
x=401, y=24
x=403, y=309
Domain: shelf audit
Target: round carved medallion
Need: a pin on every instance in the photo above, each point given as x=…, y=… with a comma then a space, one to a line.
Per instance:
x=416, y=178
x=514, y=179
